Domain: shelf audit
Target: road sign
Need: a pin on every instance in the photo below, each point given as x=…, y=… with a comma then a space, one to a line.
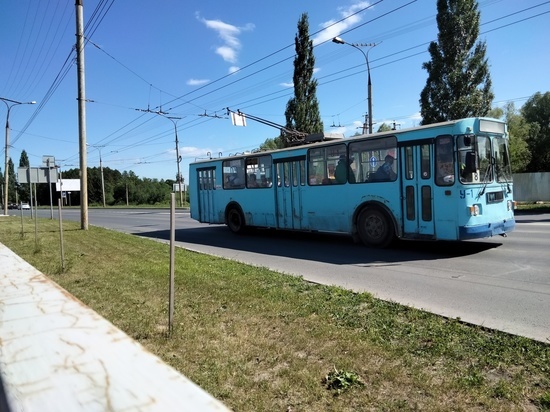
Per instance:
x=36, y=175
x=373, y=161
x=48, y=161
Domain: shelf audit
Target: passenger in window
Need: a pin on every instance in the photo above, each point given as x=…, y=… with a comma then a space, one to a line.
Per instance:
x=386, y=172
x=343, y=170
x=252, y=182
x=445, y=173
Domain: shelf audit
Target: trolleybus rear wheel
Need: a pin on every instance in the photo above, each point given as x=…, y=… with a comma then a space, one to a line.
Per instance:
x=375, y=228
x=235, y=220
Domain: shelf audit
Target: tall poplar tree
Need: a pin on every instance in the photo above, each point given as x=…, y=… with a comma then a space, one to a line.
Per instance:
x=459, y=82
x=302, y=111
x=12, y=183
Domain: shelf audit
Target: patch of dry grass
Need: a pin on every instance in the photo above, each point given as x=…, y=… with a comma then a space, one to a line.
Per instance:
x=259, y=340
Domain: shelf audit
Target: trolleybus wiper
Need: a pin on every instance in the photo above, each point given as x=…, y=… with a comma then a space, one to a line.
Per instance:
x=485, y=182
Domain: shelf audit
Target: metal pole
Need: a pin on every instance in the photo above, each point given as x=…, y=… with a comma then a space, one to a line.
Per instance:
x=82, y=115
x=33, y=210
x=172, y=261
x=61, y=236
x=102, y=180
x=35, y=220
x=50, y=186
x=6, y=172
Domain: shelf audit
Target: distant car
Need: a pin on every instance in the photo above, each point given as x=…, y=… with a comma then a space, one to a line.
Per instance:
x=24, y=206
x=12, y=206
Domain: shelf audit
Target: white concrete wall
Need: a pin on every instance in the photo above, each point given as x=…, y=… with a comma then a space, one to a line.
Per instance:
x=531, y=187
x=56, y=354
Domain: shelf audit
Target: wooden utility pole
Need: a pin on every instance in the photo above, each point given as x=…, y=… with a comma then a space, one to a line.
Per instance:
x=82, y=115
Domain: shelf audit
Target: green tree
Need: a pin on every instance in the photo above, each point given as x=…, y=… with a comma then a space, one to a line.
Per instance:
x=459, y=82
x=519, y=130
x=272, y=144
x=24, y=188
x=12, y=183
x=536, y=112
x=302, y=111
x=384, y=127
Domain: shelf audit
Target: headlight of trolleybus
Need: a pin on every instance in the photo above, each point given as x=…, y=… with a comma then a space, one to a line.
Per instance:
x=474, y=210
x=511, y=205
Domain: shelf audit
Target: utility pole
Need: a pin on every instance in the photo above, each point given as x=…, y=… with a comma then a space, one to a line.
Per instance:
x=82, y=115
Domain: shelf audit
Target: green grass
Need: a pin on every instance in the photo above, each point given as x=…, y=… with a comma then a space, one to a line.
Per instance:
x=264, y=341
x=532, y=208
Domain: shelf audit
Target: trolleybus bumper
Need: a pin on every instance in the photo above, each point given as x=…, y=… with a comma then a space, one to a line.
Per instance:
x=487, y=230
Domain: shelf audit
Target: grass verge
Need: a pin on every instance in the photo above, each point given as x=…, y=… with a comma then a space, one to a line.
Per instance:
x=264, y=341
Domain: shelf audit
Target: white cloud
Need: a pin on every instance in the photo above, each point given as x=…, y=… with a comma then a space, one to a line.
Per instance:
x=228, y=33
x=234, y=69
x=227, y=53
x=334, y=29
x=197, y=82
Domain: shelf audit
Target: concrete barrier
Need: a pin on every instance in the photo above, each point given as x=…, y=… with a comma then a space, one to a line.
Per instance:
x=56, y=354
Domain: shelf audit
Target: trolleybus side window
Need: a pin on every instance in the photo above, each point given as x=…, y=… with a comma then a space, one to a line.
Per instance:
x=375, y=160
x=258, y=172
x=233, y=174
x=323, y=162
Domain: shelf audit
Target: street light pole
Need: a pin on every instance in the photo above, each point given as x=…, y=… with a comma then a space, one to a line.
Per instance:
x=6, y=172
x=358, y=46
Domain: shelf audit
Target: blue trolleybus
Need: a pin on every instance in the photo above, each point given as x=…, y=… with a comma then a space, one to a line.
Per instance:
x=444, y=181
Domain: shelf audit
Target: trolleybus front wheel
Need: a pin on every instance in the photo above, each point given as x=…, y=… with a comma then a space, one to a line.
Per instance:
x=235, y=220
x=375, y=228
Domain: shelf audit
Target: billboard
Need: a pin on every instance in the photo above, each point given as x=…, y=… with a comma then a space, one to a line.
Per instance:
x=68, y=185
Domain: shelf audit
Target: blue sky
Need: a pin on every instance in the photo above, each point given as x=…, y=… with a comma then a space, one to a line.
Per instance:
x=192, y=59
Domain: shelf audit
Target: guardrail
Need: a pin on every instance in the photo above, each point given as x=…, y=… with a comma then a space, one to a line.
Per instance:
x=56, y=354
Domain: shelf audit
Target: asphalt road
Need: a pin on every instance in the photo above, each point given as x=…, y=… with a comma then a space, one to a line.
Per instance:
x=499, y=283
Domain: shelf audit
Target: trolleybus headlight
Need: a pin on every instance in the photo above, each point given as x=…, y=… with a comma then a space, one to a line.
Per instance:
x=474, y=210
x=511, y=205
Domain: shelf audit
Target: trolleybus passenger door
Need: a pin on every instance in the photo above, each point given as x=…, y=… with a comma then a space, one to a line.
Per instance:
x=207, y=184
x=417, y=189
x=290, y=182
